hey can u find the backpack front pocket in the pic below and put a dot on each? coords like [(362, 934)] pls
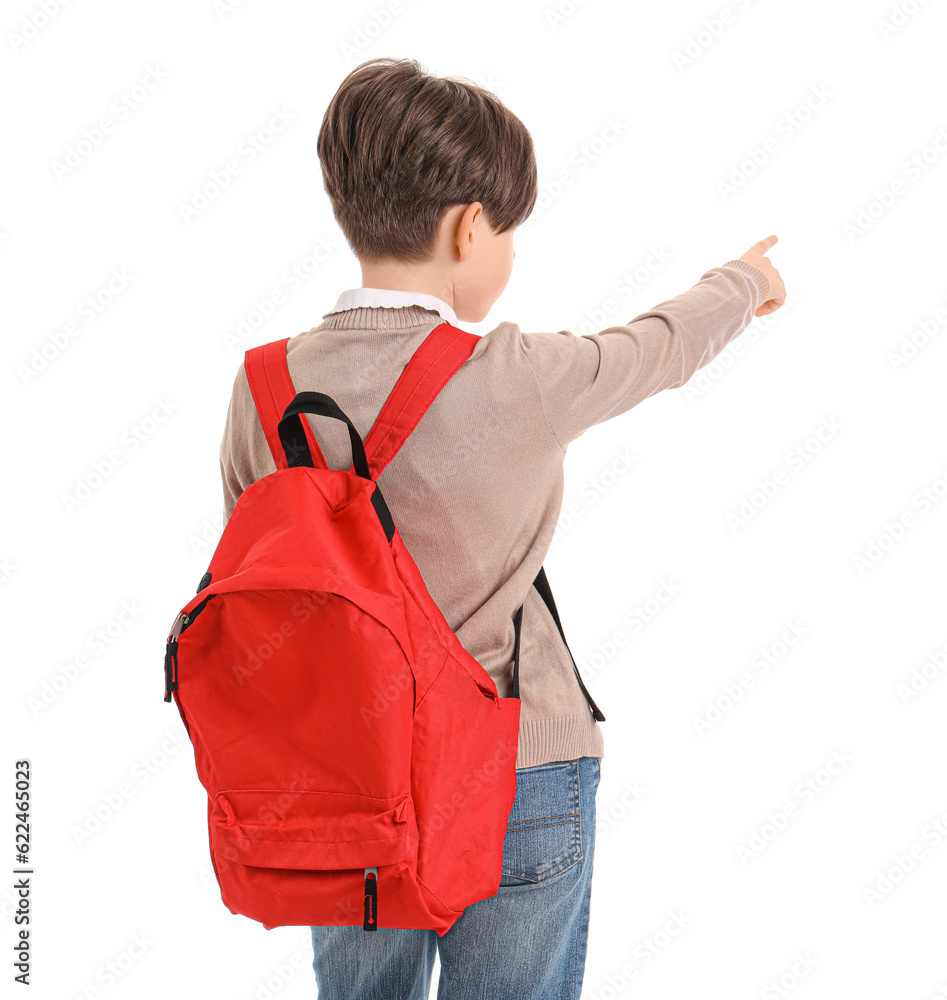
[(279, 828)]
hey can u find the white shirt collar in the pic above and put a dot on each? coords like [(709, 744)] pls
[(389, 298)]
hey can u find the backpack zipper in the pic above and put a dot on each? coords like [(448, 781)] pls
[(371, 900), (171, 648)]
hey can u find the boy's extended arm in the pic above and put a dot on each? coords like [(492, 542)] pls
[(585, 380), (582, 380)]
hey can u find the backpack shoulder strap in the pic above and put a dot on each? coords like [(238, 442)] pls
[(443, 352), (431, 367), (272, 390)]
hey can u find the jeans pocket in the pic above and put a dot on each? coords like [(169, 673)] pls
[(544, 832)]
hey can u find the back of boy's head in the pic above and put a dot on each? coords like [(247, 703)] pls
[(399, 147)]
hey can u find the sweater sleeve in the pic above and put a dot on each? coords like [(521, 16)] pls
[(585, 380)]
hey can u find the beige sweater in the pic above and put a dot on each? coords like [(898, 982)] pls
[(476, 490)]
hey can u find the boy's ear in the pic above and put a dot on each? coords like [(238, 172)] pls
[(463, 236)]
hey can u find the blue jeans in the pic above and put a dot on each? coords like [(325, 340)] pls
[(526, 942)]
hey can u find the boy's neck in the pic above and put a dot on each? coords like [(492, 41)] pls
[(402, 279)]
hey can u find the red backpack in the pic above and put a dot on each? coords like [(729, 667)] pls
[(358, 761)]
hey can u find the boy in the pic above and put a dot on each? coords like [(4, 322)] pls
[(428, 179)]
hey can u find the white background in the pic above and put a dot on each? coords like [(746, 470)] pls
[(858, 351)]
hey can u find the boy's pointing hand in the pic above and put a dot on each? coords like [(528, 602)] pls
[(777, 290)]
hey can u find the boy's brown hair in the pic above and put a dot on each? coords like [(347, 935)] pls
[(399, 147)]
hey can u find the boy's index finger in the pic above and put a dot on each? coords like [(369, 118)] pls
[(765, 244)]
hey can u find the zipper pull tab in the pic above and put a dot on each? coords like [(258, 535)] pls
[(170, 668), (371, 900), (171, 656)]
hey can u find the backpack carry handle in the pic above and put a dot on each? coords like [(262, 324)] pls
[(293, 437)]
